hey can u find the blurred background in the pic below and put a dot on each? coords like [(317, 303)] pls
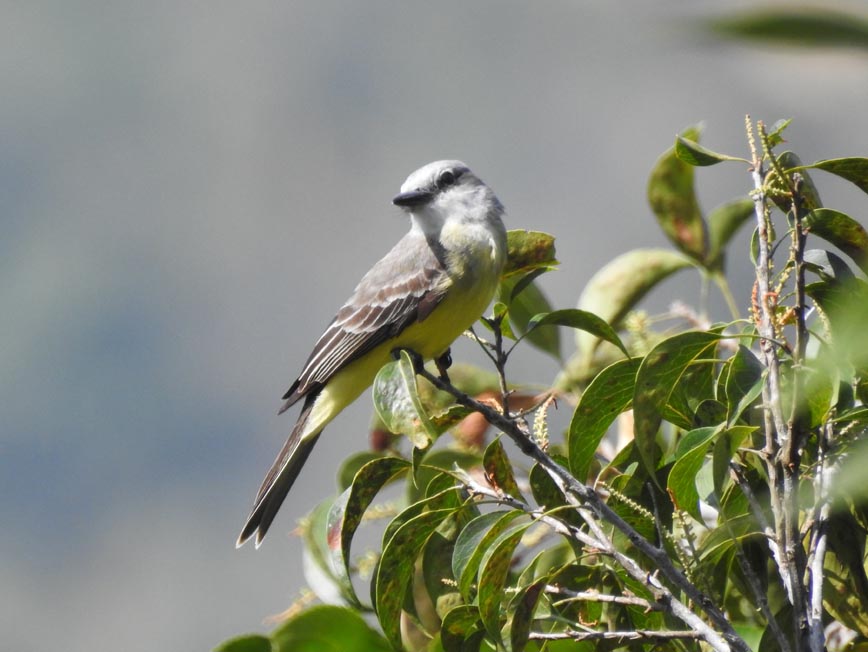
[(188, 191)]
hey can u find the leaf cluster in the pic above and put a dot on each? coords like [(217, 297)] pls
[(486, 548)]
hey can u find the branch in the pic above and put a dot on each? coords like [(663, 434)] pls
[(819, 537), (755, 586), (635, 635), (590, 506), (782, 486), (594, 596)]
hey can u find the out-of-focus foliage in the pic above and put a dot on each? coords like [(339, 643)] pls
[(797, 26)]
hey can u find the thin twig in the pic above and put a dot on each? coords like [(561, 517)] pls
[(500, 357), (756, 509), (760, 596), (819, 538), (633, 635), (776, 432), (754, 582), (485, 345), (797, 430), (594, 596)]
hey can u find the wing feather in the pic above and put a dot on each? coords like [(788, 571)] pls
[(398, 291)]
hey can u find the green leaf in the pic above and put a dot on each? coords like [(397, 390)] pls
[(521, 610), (549, 496), (797, 26), (850, 480), (724, 449), (659, 374), (317, 562), (828, 266), (682, 480), (775, 133), (820, 393), (397, 565), (437, 568), (397, 402), (808, 193), (733, 502), (856, 415), (493, 571), (351, 465), (744, 382), (348, 509), (459, 624), (522, 307), (854, 170), (846, 571), (618, 286), (754, 247), (439, 460), (471, 544), (692, 398), (693, 153), (522, 283), (709, 411), (842, 231), (498, 470), (327, 628), (527, 251), (696, 438), (846, 306), (437, 494), (842, 601), (608, 395), (673, 200), (581, 320), (245, 643), (785, 618), (721, 539), (723, 222)]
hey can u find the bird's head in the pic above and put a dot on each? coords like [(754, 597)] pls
[(445, 190)]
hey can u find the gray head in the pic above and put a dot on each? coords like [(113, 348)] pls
[(445, 190)]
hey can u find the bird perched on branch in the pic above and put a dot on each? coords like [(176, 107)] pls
[(420, 296)]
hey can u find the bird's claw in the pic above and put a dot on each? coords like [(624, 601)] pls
[(443, 363)]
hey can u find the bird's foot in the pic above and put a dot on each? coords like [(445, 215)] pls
[(443, 363)]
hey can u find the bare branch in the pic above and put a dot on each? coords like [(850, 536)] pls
[(782, 477), (594, 596), (819, 538), (635, 635)]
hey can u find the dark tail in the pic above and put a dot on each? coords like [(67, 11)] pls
[(279, 479)]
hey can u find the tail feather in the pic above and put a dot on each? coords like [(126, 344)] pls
[(279, 479)]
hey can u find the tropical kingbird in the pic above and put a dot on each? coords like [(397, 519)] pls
[(423, 294)]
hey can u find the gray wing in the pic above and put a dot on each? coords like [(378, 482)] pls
[(401, 289)]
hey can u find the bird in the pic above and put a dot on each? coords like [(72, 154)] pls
[(431, 287)]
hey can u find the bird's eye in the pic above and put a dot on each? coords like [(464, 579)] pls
[(446, 178)]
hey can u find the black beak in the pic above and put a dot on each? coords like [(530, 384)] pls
[(413, 198)]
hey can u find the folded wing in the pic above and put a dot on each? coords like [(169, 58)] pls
[(401, 289)]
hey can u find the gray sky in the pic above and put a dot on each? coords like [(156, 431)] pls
[(190, 190)]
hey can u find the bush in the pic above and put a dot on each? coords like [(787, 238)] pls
[(727, 510)]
